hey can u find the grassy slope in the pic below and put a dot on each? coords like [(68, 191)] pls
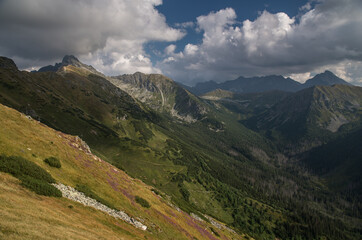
[(28, 215)]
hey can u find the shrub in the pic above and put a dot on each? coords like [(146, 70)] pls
[(18, 166), (143, 202), (40, 187), (31, 175), (53, 162), (184, 192)]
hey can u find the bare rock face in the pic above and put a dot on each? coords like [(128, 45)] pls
[(162, 94), (74, 195)]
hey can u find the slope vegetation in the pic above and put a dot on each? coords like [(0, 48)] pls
[(28, 215)]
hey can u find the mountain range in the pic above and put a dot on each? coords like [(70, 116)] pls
[(262, 164), (267, 83)]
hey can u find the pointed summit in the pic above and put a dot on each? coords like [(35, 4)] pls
[(69, 60), (325, 79)]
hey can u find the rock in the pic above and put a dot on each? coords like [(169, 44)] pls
[(74, 195)]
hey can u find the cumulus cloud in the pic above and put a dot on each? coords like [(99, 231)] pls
[(109, 34), (327, 35)]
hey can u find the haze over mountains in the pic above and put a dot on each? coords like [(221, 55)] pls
[(267, 83), (263, 156)]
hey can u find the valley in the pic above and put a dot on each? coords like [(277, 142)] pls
[(271, 163)]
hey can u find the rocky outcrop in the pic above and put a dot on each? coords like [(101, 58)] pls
[(74, 195), (7, 63)]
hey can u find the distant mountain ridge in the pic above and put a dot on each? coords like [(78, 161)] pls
[(311, 114), (267, 83)]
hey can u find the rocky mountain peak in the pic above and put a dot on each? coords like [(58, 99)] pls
[(326, 78), (7, 63), (70, 60)]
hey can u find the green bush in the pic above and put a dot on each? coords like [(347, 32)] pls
[(53, 162), (18, 166), (31, 175), (184, 192), (142, 202), (40, 187)]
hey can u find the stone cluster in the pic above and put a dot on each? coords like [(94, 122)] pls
[(74, 195)]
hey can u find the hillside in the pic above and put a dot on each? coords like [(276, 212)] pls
[(311, 115), (340, 163), (246, 104), (28, 215), (162, 94)]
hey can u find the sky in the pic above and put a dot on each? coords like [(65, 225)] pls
[(189, 41)]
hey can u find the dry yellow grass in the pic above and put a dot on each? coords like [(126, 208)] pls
[(25, 215)]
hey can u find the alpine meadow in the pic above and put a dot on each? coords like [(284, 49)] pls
[(180, 120)]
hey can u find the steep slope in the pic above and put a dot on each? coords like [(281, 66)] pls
[(90, 106), (162, 94), (312, 115), (340, 163), (28, 215), (324, 79)]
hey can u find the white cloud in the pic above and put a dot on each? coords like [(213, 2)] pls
[(328, 35), (191, 49), (185, 25), (114, 30), (170, 49)]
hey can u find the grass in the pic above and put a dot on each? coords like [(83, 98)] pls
[(89, 193), (28, 215)]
